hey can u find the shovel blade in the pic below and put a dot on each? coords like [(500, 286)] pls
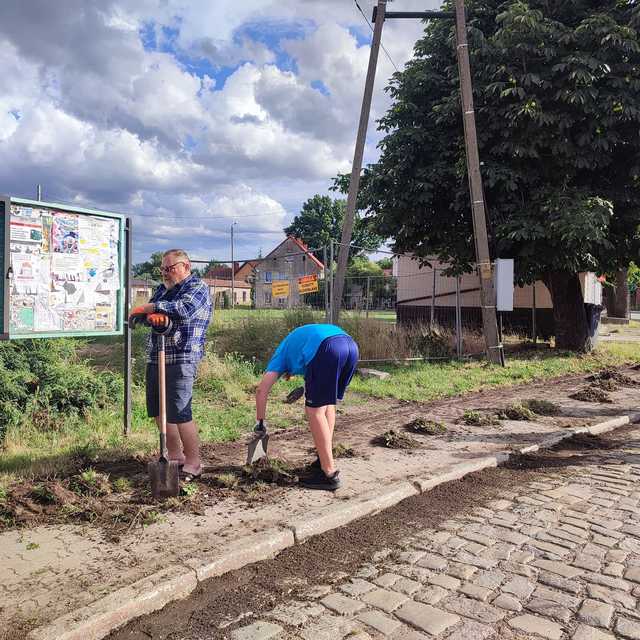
[(165, 479), (257, 448)]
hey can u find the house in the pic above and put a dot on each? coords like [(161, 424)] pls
[(220, 290), (142, 290), (290, 260), (241, 272), (417, 285)]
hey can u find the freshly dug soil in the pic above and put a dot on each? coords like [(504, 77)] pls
[(592, 393), (425, 427), (395, 440)]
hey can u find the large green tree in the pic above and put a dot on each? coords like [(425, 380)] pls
[(557, 96), (320, 221), (150, 268)]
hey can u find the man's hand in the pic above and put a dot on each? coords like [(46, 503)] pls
[(286, 376), (158, 320)]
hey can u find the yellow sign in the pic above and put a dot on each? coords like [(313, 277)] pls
[(308, 284), (280, 289)]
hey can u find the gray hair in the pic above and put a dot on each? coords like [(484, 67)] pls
[(180, 254)]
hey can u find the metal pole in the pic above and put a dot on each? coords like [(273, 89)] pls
[(233, 275), (127, 330), (331, 300), (433, 300), (487, 292), (458, 320), (534, 329), (326, 285), (368, 294), (39, 192), (354, 183)]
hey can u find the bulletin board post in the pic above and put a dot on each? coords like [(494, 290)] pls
[(127, 329)]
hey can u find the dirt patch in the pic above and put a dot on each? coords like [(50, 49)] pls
[(592, 393), (516, 411), (395, 440), (425, 427), (615, 376), (542, 407), (476, 418)]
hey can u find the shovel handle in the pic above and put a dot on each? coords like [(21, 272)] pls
[(162, 397)]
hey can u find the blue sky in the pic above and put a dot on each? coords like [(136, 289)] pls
[(188, 116)]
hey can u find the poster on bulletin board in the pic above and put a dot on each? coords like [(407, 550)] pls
[(63, 270)]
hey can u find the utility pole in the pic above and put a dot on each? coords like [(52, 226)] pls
[(483, 259), (354, 183), (487, 293), (39, 192), (233, 275)]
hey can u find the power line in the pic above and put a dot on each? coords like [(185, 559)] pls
[(370, 27)]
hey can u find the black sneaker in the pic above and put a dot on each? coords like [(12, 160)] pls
[(315, 464), (320, 480)]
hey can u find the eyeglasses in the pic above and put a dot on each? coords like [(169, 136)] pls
[(171, 268)]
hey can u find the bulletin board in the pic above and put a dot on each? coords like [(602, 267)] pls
[(63, 270)]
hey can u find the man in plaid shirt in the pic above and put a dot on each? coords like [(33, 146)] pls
[(183, 298)]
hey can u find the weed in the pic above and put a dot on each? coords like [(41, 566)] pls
[(343, 451), (151, 517), (479, 418), (395, 440), (226, 480), (542, 407), (271, 470), (43, 493), (31, 546), (189, 489), (425, 427), (516, 411), (3, 495), (91, 482), (122, 485)]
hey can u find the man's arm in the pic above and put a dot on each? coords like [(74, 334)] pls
[(262, 393)]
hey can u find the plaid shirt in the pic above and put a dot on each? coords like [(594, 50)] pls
[(189, 306)]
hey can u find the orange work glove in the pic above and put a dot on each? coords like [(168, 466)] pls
[(158, 320), (138, 311)]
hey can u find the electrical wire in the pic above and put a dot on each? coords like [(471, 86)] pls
[(370, 27)]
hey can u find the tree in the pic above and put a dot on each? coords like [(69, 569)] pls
[(150, 268), (321, 220), (557, 96), (385, 263)]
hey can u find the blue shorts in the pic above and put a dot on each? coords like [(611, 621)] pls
[(180, 379), (330, 371)]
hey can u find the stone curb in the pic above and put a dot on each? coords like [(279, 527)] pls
[(179, 580)]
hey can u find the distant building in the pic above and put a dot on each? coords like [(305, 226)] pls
[(221, 290), (142, 289), (290, 260)]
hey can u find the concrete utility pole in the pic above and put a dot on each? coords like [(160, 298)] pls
[(354, 184), (483, 259), (487, 293), (233, 275)]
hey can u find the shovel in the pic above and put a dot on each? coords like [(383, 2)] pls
[(294, 396), (164, 475), (257, 448)]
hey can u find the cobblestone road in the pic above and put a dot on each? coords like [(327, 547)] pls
[(560, 558)]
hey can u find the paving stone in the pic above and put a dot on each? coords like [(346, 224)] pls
[(473, 609), (386, 600), (476, 561), (606, 581), (477, 537), (549, 609), (506, 535), (500, 505), (584, 561), (296, 613), (537, 625), (602, 541), (614, 569), (585, 632), (521, 557), (596, 614), (474, 548), (499, 551), (594, 550), (628, 628), (366, 572), (426, 617), (329, 627), (447, 582), (404, 633), (319, 591), (559, 597), (558, 582), (257, 631), (560, 534), (519, 587), (410, 557), (461, 571), (379, 621), (409, 587), (431, 595), (631, 529), (387, 579), (607, 533), (573, 530), (475, 591), (555, 549), (431, 561), (357, 587), (617, 555), (341, 604), (509, 603), (559, 568), (519, 569), (633, 574), (455, 542), (470, 630), (611, 596), (489, 579)]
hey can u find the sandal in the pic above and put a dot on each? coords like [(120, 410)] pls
[(187, 476)]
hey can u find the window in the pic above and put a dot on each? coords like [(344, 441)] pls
[(244, 296), (267, 277), (267, 298)]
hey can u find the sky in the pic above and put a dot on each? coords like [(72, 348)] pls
[(190, 115)]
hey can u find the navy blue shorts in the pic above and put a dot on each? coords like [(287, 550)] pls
[(180, 379), (329, 373)]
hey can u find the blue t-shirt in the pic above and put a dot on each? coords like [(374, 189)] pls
[(297, 350)]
